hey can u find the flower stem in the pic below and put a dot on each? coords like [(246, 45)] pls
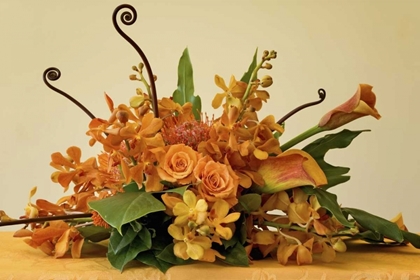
[(310, 132), (288, 226), (45, 219)]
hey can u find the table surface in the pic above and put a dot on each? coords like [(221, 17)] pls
[(361, 261)]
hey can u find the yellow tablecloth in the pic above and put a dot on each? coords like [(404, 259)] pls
[(361, 261)]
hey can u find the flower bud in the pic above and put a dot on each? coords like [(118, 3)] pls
[(136, 101), (134, 68), (340, 246), (122, 116), (266, 81), (133, 77), (267, 65)]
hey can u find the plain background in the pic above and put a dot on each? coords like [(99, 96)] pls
[(330, 44)]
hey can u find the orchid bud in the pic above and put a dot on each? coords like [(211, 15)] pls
[(266, 81)]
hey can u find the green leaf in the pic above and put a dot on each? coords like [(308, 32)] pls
[(236, 256), (123, 208), (230, 243), (145, 237), (318, 149), (376, 224), (328, 201), (150, 259), (248, 202), (136, 226), (127, 237), (131, 187), (179, 190), (185, 90), (94, 233), (127, 254), (247, 75), (413, 238), (167, 255)]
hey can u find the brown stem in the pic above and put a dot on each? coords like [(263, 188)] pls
[(45, 219)]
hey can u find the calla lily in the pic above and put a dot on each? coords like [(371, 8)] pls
[(361, 104), (291, 169)]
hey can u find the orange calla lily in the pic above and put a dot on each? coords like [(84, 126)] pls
[(361, 104), (293, 168)]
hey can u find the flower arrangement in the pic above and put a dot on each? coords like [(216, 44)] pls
[(173, 185)]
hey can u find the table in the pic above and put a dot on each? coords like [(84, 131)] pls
[(361, 261)]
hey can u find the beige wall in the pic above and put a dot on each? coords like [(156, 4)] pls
[(329, 44)]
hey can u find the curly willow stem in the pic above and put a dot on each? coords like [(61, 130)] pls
[(322, 94), (53, 74), (128, 18)]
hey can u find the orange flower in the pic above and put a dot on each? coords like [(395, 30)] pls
[(291, 169), (216, 180), (361, 104), (176, 165)]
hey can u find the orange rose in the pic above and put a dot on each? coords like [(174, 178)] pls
[(176, 165), (216, 180)]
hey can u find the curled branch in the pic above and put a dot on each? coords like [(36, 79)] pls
[(128, 18), (322, 95), (53, 74)]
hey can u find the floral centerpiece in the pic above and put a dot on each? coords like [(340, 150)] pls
[(174, 185)]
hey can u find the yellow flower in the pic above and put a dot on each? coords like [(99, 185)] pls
[(218, 217), (187, 244), (190, 210)]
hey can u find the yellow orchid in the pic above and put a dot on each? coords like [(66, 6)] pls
[(218, 217), (187, 244), (190, 210)]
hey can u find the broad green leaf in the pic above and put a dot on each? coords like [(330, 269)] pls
[(236, 256), (179, 190), (94, 233), (247, 75), (372, 237), (123, 208), (376, 224), (114, 240), (150, 259), (131, 187), (318, 149), (329, 201), (145, 237), (167, 255), (413, 238), (128, 236), (127, 254), (248, 203), (185, 90)]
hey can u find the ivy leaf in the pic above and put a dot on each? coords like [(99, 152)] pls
[(145, 237), (236, 256), (248, 203), (167, 255), (127, 238), (318, 149), (94, 233), (329, 201), (123, 208), (150, 259), (185, 90), (247, 75), (127, 254), (376, 224)]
